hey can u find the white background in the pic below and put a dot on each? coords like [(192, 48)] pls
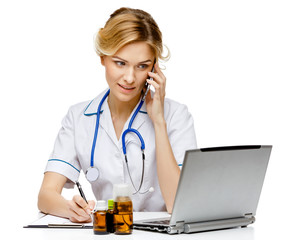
[(228, 65)]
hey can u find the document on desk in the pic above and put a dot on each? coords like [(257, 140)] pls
[(49, 221)]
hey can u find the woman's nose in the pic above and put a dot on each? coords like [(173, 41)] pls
[(130, 75)]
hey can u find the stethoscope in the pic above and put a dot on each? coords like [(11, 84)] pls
[(92, 173)]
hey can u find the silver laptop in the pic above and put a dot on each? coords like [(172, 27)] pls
[(218, 188)]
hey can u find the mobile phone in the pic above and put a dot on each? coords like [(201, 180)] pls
[(148, 85)]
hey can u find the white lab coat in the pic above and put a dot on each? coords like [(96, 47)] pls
[(72, 150)]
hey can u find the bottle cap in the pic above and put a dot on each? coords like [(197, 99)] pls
[(111, 204), (101, 205), (122, 190)]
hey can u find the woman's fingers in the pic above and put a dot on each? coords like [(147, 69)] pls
[(158, 77), (77, 219), (159, 72), (92, 204), (158, 83), (80, 210), (153, 83), (82, 203)]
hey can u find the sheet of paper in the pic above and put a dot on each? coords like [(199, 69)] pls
[(49, 219), (45, 220)]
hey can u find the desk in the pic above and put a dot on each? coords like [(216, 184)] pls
[(82, 234), (266, 227)]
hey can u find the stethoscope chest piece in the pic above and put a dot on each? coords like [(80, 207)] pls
[(92, 174)]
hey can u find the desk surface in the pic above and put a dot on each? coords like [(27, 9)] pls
[(254, 231), (82, 234)]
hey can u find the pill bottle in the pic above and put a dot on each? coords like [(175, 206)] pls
[(99, 218), (123, 209), (110, 216)]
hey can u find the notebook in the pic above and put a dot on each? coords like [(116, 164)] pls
[(218, 188)]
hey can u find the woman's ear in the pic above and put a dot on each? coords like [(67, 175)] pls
[(102, 60)]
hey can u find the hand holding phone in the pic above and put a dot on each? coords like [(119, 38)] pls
[(148, 85)]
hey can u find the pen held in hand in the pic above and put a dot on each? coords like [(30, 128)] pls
[(81, 191)]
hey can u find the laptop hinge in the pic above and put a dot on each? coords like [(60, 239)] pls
[(177, 228), (218, 224), (248, 215)]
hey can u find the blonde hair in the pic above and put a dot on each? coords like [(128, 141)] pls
[(127, 25)]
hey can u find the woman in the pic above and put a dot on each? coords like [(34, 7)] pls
[(129, 47)]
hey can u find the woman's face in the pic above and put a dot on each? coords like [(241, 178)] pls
[(126, 70)]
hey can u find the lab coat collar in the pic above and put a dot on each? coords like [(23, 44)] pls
[(92, 107)]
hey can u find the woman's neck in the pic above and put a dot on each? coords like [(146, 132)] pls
[(119, 109)]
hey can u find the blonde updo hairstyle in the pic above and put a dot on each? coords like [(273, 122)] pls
[(127, 25)]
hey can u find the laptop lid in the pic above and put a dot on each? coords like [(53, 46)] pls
[(220, 183)]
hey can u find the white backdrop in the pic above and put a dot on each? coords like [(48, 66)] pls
[(228, 65)]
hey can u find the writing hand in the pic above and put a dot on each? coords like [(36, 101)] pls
[(79, 210)]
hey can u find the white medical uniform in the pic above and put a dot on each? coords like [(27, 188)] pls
[(72, 150)]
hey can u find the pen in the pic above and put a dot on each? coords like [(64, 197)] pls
[(81, 191)]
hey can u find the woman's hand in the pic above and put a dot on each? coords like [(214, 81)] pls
[(79, 210), (155, 105)]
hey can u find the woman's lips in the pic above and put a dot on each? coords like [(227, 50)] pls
[(126, 88)]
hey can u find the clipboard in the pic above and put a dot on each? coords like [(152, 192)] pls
[(54, 222), (50, 221)]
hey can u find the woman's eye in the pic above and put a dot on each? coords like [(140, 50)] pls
[(120, 63), (142, 66)]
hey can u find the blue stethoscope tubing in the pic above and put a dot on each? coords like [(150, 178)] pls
[(92, 173)]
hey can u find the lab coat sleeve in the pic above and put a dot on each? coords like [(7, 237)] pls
[(181, 132), (63, 159)]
